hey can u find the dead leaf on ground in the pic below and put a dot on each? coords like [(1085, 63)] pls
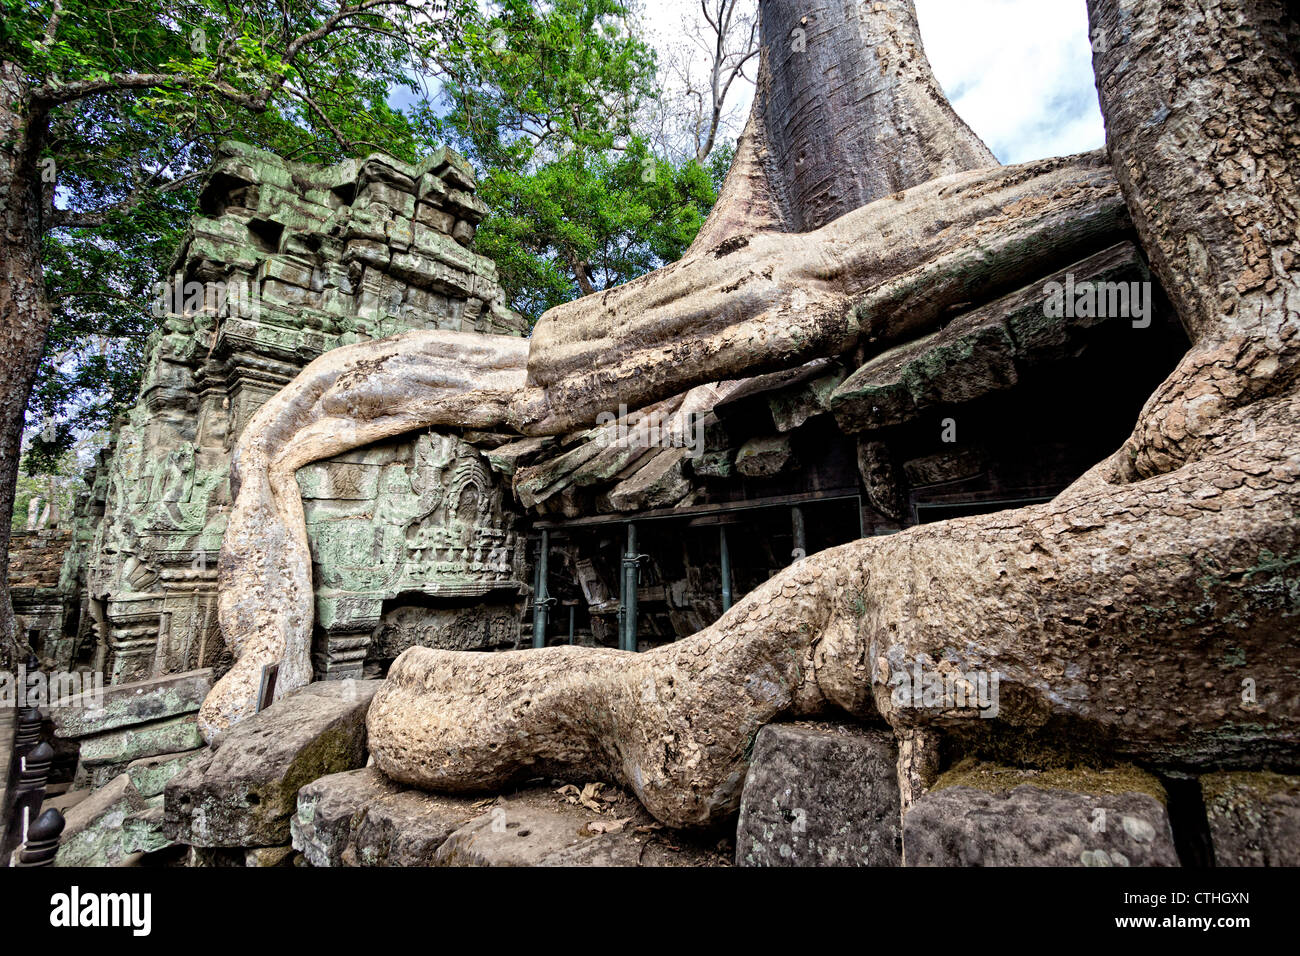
[(589, 795), (608, 826)]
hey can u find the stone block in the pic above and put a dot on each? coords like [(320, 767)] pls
[(512, 835), (124, 705), (820, 795), (761, 457), (986, 815), (93, 832), (361, 818), (659, 483), (143, 832), (243, 793), (269, 856), (152, 774), (1254, 818), (145, 740)]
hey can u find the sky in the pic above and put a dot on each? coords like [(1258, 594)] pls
[(1018, 71)]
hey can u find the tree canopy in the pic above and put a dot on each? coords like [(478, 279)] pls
[(545, 100), (542, 97), (137, 94)]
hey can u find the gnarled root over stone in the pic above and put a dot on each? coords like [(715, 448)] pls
[(780, 302), (1128, 612), (346, 398)]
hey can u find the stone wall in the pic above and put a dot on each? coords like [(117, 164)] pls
[(413, 542), (286, 261), (35, 561)]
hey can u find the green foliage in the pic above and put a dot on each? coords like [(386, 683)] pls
[(59, 479), (125, 162), (541, 98), (613, 215)]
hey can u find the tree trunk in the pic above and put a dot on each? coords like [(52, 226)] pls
[(846, 110), (1125, 619), (1147, 613), (24, 317)]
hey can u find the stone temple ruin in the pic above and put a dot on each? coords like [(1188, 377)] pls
[(289, 262), (704, 505), (435, 539)]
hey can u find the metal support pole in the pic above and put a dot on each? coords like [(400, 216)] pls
[(726, 568), (630, 561), (540, 597), (572, 609), (800, 534)]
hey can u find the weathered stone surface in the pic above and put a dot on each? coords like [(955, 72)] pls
[(361, 818), (510, 836), (714, 464), (572, 826), (145, 740), (152, 774), (943, 466), (264, 856), (125, 705), (760, 457), (820, 796), (794, 405), (967, 359), (93, 834), (508, 458), (144, 832), (1041, 336), (244, 792), (1254, 818), (658, 483), (880, 392), (604, 850), (984, 816)]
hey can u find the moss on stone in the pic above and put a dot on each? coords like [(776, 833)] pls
[(1225, 788), (1111, 781)]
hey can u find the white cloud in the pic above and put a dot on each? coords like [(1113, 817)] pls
[(1018, 71)]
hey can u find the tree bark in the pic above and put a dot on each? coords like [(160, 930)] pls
[(1148, 613), (1124, 618), (24, 317), (846, 110)]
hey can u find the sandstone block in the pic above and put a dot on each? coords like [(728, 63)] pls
[(820, 796), (93, 834), (244, 791), (1254, 818), (361, 818), (982, 815), (137, 703)]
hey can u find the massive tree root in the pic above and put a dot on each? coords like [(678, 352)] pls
[(347, 398), (794, 299), (748, 296), (1134, 658), (1151, 611)]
